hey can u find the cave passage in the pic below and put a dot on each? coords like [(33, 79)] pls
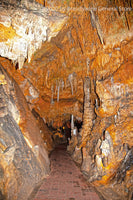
[(66, 99), (70, 129), (65, 180)]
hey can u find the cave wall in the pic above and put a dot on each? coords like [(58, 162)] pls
[(24, 161), (25, 140), (107, 141), (87, 71)]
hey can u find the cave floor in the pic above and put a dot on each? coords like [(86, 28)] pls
[(65, 181)]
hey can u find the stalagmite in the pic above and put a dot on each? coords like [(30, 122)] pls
[(88, 113), (72, 148)]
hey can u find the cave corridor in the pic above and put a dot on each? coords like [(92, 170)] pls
[(66, 100)]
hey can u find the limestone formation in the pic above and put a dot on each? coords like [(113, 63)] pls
[(46, 134), (24, 27), (89, 114), (23, 159), (86, 71)]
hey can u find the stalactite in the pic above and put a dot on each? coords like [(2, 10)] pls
[(70, 78), (98, 28), (52, 96), (96, 103), (115, 119), (128, 26), (47, 76), (26, 29), (72, 122), (75, 81), (21, 60), (88, 65), (62, 84), (58, 92)]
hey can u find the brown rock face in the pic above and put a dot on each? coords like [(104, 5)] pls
[(46, 134), (23, 159), (86, 71)]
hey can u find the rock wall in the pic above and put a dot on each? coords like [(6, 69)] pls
[(23, 159), (106, 144), (46, 134), (87, 71)]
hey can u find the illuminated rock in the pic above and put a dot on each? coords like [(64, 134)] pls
[(85, 71), (25, 27), (23, 159)]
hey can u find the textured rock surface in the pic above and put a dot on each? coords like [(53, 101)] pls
[(24, 27), (96, 44), (23, 159), (56, 72), (46, 134)]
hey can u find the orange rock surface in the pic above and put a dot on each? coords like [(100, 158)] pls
[(96, 42)]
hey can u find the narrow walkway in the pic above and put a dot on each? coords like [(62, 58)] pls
[(65, 181)]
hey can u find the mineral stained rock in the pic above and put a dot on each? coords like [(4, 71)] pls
[(85, 71), (23, 159), (46, 134), (107, 156)]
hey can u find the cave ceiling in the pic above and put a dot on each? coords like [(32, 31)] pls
[(50, 50)]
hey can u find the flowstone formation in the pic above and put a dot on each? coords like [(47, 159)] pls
[(85, 73)]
